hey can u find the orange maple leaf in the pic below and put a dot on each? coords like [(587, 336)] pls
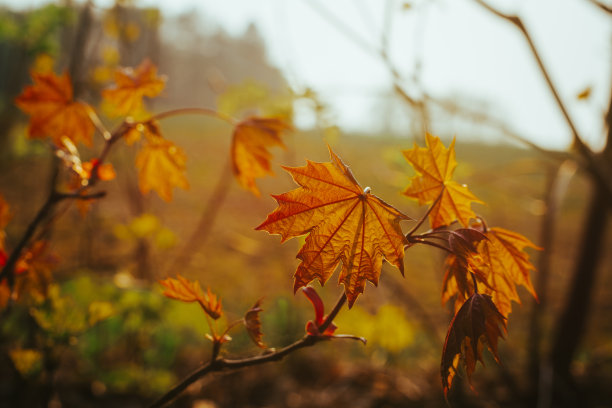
[(434, 165), (476, 324), (160, 164), (131, 85), (53, 112), (250, 156), (186, 291), (500, 264), (344, 223), (252, 322)]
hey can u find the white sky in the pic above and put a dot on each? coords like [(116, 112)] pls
[(464, 50)]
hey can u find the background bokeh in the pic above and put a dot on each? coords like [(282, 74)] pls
[(368, 79)]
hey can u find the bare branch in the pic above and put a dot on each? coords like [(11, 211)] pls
[(602, 6), (599, 168)]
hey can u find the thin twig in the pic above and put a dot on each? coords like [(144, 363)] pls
[(195, 111), (598, 167), (602, 6), (222, 364), (424, 217), (433, 244)]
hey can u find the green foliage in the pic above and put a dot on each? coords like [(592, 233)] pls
[(36, 29)]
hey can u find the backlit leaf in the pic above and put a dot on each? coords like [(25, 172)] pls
[(434, 166), (500, 264), (250, 156), (161, 165), (344, 223), (508, 266), (186, 291), (478, 323), (131, 85), (53, 112)]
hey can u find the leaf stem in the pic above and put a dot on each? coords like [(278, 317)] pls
[(433, 244), (332, 315), (424, 217), (194, 111)]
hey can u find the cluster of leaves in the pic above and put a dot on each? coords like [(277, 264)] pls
[(344, 222), (58, 117), (347, 223)]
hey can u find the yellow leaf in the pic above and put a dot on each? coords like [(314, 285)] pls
[(434, 165), (250, 156), (161, 167), (500, 264), (131, 85), (186, 291)]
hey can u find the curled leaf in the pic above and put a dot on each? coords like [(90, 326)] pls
[(53, 111), (344, 223), (250, 156), (312, 327), (434, 166), (131, 85), (252, 322), (186, 291), (478, 323)]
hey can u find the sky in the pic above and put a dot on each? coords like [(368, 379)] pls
[(463, 50)]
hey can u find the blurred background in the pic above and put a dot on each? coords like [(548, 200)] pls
[(369, 78)]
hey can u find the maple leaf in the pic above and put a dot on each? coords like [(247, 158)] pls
[(508, 265), (249, 151), (131, 85), (434, 166), (53, 112), (344, 223), (476, 324), (500, 264), (186, 291), (160, 164), (252, 322)]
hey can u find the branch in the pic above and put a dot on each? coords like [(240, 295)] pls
[(221, 364), (424, 217), (194, 111), (602, 6), (599, 169)]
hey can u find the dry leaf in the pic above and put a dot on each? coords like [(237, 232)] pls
[(344, 223), (252, 322), (434, 165)]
